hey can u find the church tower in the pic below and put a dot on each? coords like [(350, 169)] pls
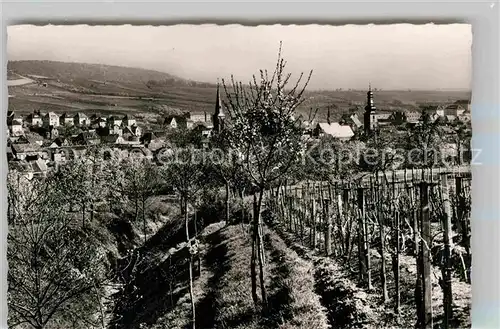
[(369, 117), (218, 116)]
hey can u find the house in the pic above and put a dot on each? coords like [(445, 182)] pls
[(136, 130), (115, 130), (87, 138), (26, 151), (60, 155), (81, 119), (51, 132), (39, 168), (398, 117), (114, 121), (464, 117), (434, 117), (454, 109), (59, 142), (101, 122), (10, 156), (177, 121), (151, 141), (170, 122), (93, 118), (66, 120), (383, 118), (34, 139), (112, 139), (351, 120), (333, 129), (128, 121), (450, 118), (34, 119), (50, 119), (16, 128), (203, 129), (10, 117), (200, 117), (465, 103), (127, 133), (413, 116)]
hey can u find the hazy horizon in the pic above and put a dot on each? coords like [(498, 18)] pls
[(390, 57)]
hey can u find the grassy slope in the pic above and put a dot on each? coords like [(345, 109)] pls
[(222, 289)]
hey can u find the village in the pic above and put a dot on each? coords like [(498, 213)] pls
[(39, 142)]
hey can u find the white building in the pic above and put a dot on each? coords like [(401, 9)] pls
[(50, 119), (335, 130), (128, 121)]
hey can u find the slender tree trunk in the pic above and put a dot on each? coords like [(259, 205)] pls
[(253, 264), (137, 208), (83, 214), (191, 296), (228, 196), (195, 215), (181, 201), (418, 285), (328, 231), (396, 265), (144, 219), (190, 265), (242, 210), (383, 270), (261, 257), (313, 219)]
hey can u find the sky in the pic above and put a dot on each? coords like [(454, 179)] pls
[(398, 56)]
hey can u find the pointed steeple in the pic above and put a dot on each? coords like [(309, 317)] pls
[(370, 106), (369, 119), (218, 106), (219, 116)]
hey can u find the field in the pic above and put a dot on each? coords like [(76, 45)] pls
[(94, 88)]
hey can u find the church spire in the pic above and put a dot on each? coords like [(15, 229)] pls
[(218, 106), (369, 117), (370, 106), (219, 116)]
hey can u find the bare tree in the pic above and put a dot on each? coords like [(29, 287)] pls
[(55, 266), (184, 171), (266, 132)]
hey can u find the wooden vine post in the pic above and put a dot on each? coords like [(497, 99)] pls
[(381, 222), (397, 242), (328, 230), (364, 255), (313, 220), (425, 258), (448, 241)]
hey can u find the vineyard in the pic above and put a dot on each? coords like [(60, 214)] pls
[(405, 241)]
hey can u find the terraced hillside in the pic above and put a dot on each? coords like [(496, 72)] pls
[(111, 89)]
